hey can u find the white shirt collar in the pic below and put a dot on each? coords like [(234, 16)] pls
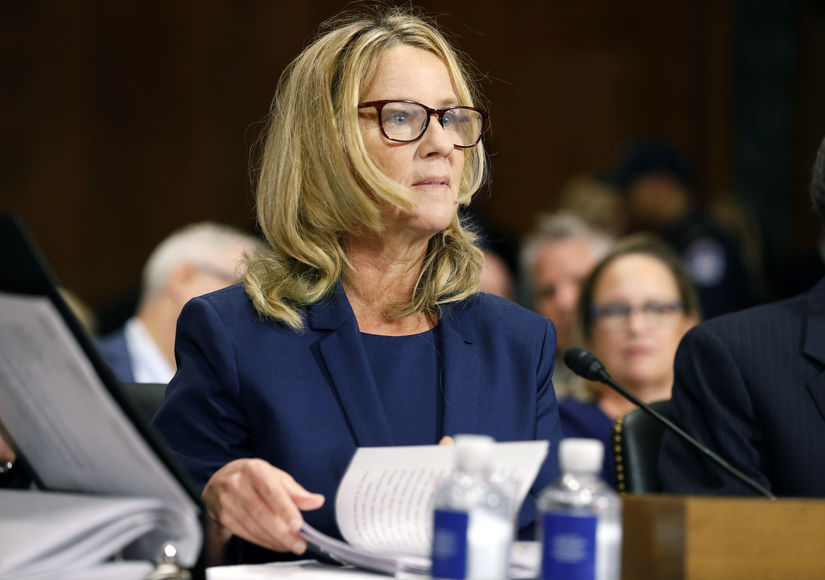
[(148, 363)]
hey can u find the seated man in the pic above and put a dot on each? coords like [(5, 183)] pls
[(556, 257), (197, 259), (751, 387)]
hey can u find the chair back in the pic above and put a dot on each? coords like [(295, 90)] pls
[(145, 398), (636, 440)]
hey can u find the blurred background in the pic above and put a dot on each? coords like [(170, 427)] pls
[(122, 121)]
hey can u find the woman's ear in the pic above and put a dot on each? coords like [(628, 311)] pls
[(691, 320)]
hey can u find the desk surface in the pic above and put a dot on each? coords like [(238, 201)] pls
[(298, 570), (524, 560)]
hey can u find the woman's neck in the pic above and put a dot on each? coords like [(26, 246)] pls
[(380, 278)]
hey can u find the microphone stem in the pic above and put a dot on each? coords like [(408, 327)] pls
[(685, 437)]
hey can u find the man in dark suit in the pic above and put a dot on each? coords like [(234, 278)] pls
[(751, 386), (192, 261)]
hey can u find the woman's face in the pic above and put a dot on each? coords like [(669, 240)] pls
[(431, 167), (638, 321)]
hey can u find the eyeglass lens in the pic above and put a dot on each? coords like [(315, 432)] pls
[(617, 314), (408, 121)]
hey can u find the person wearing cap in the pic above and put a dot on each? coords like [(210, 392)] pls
[(658, 183)]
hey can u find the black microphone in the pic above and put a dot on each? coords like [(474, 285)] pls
[(586, 365)]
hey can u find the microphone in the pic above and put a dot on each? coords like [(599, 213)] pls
[(586, 365)]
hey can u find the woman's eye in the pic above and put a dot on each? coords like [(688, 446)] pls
[(456, 117), (655, 307), (398, 118)]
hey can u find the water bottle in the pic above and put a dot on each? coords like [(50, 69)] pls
[(580, 521), (473, 519)]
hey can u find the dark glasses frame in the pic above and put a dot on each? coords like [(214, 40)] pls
[(379, 106)]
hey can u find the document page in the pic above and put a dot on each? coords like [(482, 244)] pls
[(385, 501), (62, 417), (49, 532)]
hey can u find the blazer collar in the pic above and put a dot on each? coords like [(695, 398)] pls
[(461, 369), (330, 312), (815, 323), (343, 354), (814, 346), (342, 351)]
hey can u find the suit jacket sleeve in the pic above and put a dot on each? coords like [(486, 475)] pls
[(213, 431), (548, 423), (712, 403)]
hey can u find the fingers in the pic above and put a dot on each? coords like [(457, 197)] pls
[(304, 499), (446, 440), (260, 503), (6, 452)]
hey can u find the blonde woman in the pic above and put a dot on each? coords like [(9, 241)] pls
[(361, 325)]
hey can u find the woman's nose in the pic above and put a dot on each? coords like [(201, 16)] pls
[(435, 139)]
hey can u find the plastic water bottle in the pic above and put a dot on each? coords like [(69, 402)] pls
[(580, 522), (473, 518)]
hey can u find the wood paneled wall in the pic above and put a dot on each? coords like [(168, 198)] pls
[(122, 121)]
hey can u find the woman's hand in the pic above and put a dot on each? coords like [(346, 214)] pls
[(6, 452), (253, 499)]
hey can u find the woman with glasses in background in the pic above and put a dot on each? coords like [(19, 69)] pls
[(634, 308), (361, 324)]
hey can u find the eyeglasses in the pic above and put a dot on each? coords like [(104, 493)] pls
[(616, 315), (406, 121)]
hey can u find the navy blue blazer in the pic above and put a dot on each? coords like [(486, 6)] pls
[(250, 387), (114, 350), (751, 387)]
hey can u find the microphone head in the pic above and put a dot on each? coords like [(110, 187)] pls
[(585, 364)]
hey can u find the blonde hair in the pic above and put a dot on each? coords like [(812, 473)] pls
[(317, 184)]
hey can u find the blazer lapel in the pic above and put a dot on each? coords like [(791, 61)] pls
[(342, 351), (461, 372), (815, 342)]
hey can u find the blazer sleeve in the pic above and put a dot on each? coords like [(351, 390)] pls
[(711, 402), (548, 427), (200, 417), (548, 423)]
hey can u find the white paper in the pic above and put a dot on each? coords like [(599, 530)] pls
[(114, 570), (48, 532), (385, 500), (301, 570), (524, 558), (384, 504), (60, 414), (66, 423)]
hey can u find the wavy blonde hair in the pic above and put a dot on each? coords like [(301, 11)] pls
[(317, 184)]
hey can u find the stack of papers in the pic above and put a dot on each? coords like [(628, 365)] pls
[(60, 535)]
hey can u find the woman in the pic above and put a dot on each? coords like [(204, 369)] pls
[(361, 325), (634, 308)]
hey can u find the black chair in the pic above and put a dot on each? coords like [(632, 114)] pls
[(145, 398), (636, 440)]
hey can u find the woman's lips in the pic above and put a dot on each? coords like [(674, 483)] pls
[(433, 181), (639, 350)]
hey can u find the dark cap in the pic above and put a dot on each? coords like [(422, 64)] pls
[(648, 157)]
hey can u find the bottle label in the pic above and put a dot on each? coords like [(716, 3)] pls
[(449, 544), (568, 547)]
